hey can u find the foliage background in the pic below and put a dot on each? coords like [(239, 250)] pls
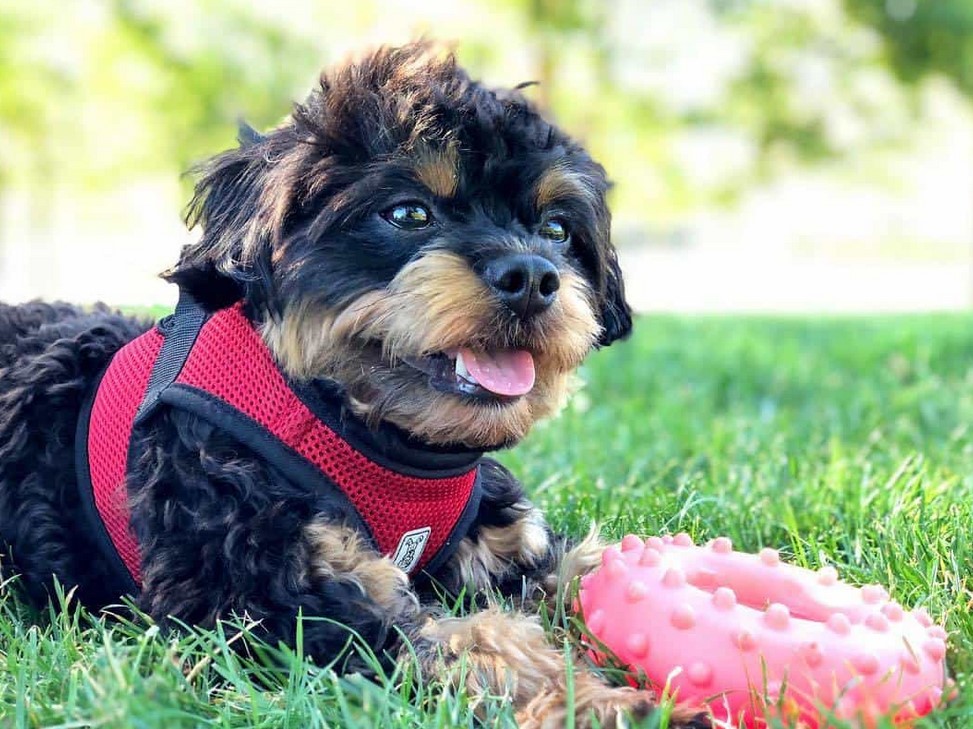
[(751, 141)]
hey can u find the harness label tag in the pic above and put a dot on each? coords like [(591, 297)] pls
[(411, 547)]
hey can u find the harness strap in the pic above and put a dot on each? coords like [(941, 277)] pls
[(180, 330), (217, 367), (119, 578)]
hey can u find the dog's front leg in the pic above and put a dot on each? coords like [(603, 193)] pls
[(329, 576), (223, 534), (511, 550)]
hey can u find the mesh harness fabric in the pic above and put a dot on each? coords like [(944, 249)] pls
[(414, 505)]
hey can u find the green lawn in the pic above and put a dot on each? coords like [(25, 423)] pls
[(844, 442)]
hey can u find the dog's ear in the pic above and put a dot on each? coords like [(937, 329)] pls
[(616, 314), (240, 206), (246, 135)]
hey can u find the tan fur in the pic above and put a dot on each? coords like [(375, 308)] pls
[(572, 329), (337, 551), (497, 550), (578, 561), (426, 58), (492, 654), (433, 304), (594, 701), (438, 169), (278, 196), (560, 182), (301, 339)]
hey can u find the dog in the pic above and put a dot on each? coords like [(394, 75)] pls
[(414, 265)]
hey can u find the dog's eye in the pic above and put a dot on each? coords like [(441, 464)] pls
[(554, 229), (408, 216)]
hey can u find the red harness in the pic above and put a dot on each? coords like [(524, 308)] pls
[(218, 367)]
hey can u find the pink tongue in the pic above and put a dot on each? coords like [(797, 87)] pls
[(505, 372)]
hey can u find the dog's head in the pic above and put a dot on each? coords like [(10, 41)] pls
[(434, 246)]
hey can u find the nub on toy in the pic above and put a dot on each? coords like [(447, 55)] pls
[(753, 638)]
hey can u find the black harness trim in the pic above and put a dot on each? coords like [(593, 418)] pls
[(388, 446), (119, 580)]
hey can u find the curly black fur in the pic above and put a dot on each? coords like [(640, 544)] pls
[(236, 543), (51, 357), (17, 323)]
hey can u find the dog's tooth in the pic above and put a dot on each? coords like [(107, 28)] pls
[(461, 372)]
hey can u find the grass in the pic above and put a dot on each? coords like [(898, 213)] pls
[(846, 442)]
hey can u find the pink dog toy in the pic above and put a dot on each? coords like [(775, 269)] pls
[(753, 638)]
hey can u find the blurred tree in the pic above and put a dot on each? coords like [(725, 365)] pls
[(923, 36), (30, 84), (809, 88), (110, 93), (557, 31), (768, 86), (237, 64), (97, 89), (558, 26)]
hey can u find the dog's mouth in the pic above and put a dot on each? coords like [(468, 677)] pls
[(496, 375)]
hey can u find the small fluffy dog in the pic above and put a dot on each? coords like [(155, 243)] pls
[(424, 261)]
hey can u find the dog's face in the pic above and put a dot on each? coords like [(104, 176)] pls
[(434, 246)]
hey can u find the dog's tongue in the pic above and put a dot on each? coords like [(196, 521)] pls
[(504, 372)]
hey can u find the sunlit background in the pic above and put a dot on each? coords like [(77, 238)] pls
[(775, 155)]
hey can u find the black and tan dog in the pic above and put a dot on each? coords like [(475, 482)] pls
[(439, 255)]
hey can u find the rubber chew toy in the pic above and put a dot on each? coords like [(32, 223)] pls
[(753, 637)]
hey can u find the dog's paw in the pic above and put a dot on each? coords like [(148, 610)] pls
[(596, 705), (579, 560)]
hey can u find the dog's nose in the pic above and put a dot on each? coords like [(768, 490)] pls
[(525, 282)]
